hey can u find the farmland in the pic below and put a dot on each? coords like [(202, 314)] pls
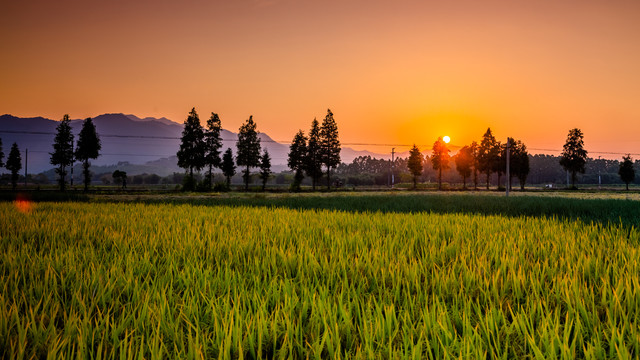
[(321, 276)]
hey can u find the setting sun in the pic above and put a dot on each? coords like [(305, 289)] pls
[(446, 139)]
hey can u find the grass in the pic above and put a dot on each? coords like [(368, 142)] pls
[(330, 276)]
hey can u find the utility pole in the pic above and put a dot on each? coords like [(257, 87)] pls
[(508, 175), (393, 151), (26, 163), (599, 179)]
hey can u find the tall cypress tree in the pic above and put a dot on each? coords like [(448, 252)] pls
[(297, 157), (626, 171), (488, 154), (329, 145), (265, 168), (228, 166), (62, 155), (313, 160), (213, 143), (414, 164), (248, 146), (88, 147), (192, 146), (14, 164)]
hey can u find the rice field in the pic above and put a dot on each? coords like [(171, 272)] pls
[(279, 278)]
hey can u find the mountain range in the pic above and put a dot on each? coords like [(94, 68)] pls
[(128, 140)]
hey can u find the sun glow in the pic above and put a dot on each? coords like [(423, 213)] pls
[(446, 139)]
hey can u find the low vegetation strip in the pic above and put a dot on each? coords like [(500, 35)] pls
[(179, 280)]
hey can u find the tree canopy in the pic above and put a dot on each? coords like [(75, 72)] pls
[(212, 145), (464, 163), (228, 166), (415, 164), (574, 156), (488, 154), (191, 154), (248, 146), (265, 168), (296, 158), (626, 171), (329, 144), (62, 155), (14, 164), (313, 160), (440, 158), (88, 147)]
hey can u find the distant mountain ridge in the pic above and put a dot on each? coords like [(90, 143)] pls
[(128, 138)]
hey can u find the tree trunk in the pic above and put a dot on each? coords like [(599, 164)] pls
[(488, 178), (440, 178), (210, 177), (86, 174), (228, 181), (328, 178), (415, 182), (627, 186), (464, 183), (573, 179), (246, 179)]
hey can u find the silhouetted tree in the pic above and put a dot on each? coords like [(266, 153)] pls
[(473, 149), (297, 157), (519, 162), (14, 164), (440, 159), (121, 177), (415, 164), (192, 147), (248, 149), (499, 162), (228, 166), (313, 160), (574, 156), (1, 154), (626, 171), (212, 143), (464, 163), (488, 153), (88, 147), (329, 144), (265, 168), (62, 155)]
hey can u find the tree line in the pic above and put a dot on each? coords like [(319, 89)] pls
[(315, 155)]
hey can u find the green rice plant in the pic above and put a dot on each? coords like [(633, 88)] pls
[(280, 279)]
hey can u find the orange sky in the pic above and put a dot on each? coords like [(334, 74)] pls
[(391, 71)]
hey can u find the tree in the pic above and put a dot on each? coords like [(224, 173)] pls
[(14, 164), (297, 157), (313, 164), (415, 164), (88, 147), (121, 177), (192, 147), (62, 154), (440, 159), (212, 144), (626, 171), (1, 154), (464, 163), (488, 153), (248, 149), (574, 156), (228, 166), (519, 162), (265, 168), (329, 145), (473, 148)]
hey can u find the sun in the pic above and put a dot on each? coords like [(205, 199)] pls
[(446, 139)]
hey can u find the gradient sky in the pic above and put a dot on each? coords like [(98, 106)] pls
[(391, 71)]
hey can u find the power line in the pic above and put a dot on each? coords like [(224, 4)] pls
[(281, 142)]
